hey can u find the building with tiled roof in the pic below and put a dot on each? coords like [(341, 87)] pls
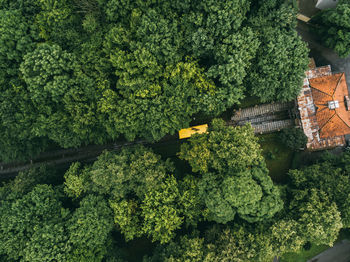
[(324, 108)]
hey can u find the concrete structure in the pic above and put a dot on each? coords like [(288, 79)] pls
[(324, 108), (324, 4)]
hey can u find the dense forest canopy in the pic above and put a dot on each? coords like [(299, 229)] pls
[(223, 215), (332, 26), (77, 72)]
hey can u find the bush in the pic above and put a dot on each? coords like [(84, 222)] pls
[(294, 138)]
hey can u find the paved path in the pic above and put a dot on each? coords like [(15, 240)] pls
[(339, 253)]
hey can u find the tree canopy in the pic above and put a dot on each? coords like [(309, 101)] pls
[(278, 69), (234, 178), (82, 72), (78, 72), (145, 197), (333, 27)]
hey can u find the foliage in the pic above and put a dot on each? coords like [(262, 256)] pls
[(27, 223), (160, 210), (112, 69), (222, 148), (333, 27), (89, 229), (239, 243), (36, 226), (186, 248), (294, 138), (317, 216), (250, 194), (286, 236), (280, 66), (330, 177), (55, 84), (234, 177), (145, 198), (15, 41), (58, 23), (280, 63), (156, 92)]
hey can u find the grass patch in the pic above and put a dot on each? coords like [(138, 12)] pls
[(278, 157)]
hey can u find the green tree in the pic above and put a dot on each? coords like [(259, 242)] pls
[(185, 248), (145, 198), (62, 95), (90, 229), (27, 223), (239, 243), (223, 148), (132, 171), (330, 177), (214, 35), (250, 194), (286, 236), (161, 211), (318, 217), (158, 89), (278, 69), (49, 242), (35, 226), (294, 138), (234, 177), (58, 23), (18, 115), (16, 39), (333, 28)]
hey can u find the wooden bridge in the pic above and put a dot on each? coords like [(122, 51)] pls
[(265, 118)]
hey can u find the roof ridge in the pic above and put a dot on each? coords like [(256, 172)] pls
[(336, 87), (321, 91), (341, 118), (335, 114)]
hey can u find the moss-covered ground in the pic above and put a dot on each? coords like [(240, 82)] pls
[(279, 158)]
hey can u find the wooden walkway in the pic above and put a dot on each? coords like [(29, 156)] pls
[(261, 110), (273, 126), (265, 118)]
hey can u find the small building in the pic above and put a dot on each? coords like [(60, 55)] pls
[(324, 108), (188, 132), (324, 4)]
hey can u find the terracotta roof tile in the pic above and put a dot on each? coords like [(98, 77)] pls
[(332, 122)]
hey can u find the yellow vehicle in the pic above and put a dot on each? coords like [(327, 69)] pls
[(188, 132)]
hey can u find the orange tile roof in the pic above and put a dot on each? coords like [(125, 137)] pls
[(331, 122)]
